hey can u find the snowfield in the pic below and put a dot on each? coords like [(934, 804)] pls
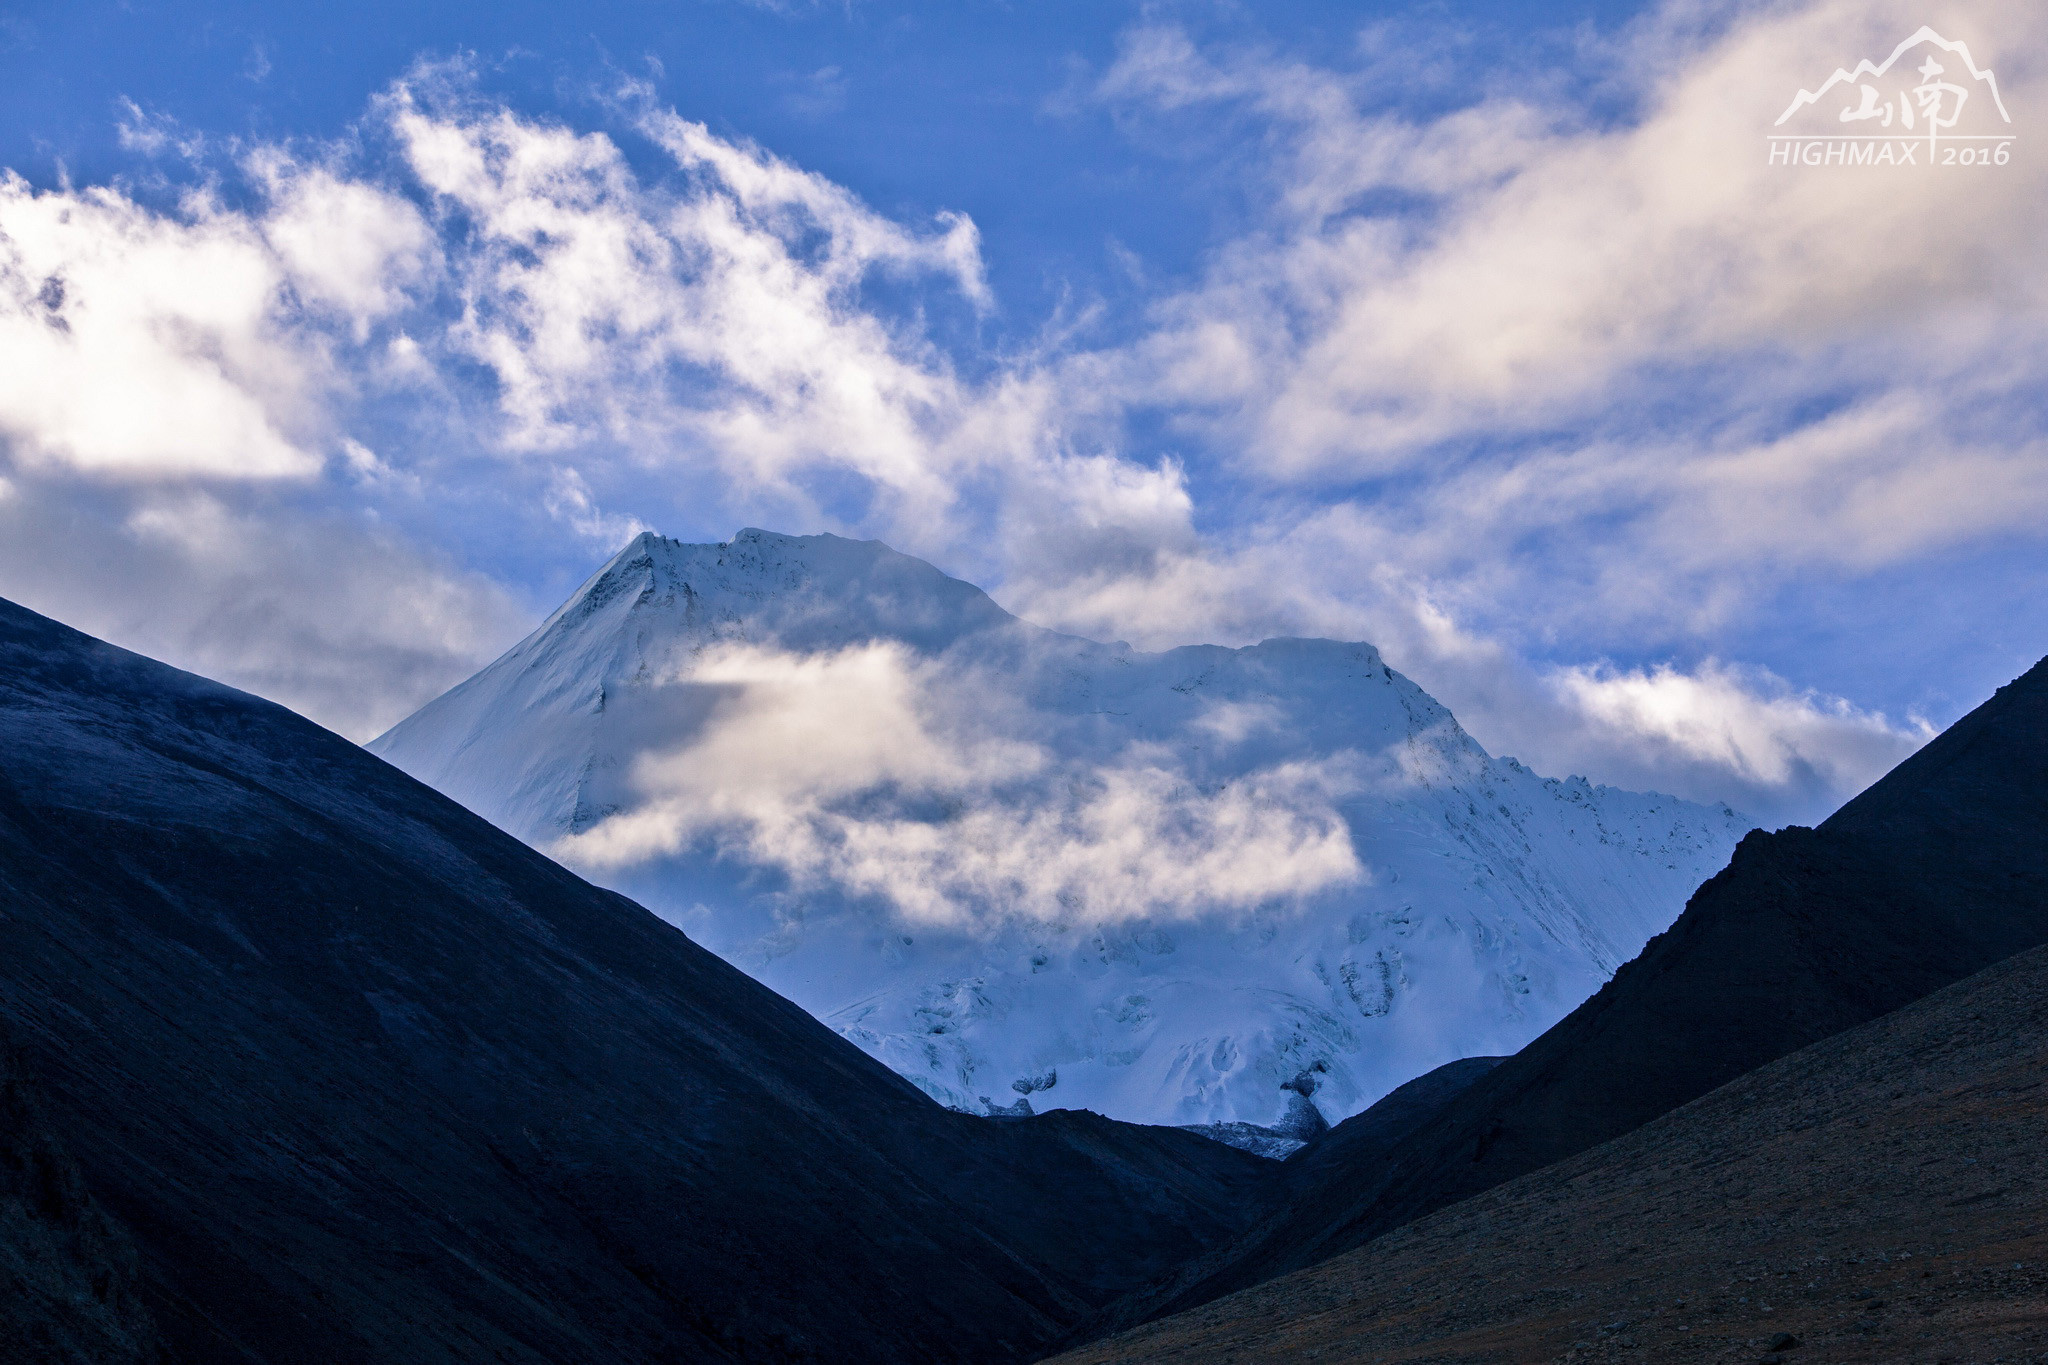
[(1027, 869)]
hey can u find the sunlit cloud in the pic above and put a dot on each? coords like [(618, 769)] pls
[(1750, 724), (862, 770)]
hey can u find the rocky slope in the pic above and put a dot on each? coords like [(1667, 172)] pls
[(1936, 871), (1028, 870), (1874, 1199), (361, 1079)]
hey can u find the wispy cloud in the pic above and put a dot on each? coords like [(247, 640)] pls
[(1504, 382), (1548, 272), (1747, 723)]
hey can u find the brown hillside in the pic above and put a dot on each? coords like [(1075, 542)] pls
[(1882, 1196)]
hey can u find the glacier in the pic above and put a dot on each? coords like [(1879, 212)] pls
[(1261, 885)]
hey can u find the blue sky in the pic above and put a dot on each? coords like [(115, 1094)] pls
[(916, 107), (345, 343)]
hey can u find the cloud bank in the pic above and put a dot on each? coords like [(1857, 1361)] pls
[(1513, 378)]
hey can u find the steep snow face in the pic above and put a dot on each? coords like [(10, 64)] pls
[(1028, 870)]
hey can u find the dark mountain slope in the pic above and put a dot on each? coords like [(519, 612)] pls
[(369, 1081), (1365, 1139), (1937, 871), (1878, 1196), (69, 1276)]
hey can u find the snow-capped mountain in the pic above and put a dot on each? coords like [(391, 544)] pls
[(1030, 870)]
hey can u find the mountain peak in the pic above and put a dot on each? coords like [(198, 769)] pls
[(994, 855), (802, 593)]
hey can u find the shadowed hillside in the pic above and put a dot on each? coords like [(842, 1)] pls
[(1876, 1197), (365, 1080)]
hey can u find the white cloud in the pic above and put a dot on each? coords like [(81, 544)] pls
[(136, 345), (372, 471), (860, 769), (708, 332), (1595, 383), (1559, 264), (139, 344), (795, 203), (1715, 732), (570, 501), (714, 330), (342, 623), (719, 317), (164, 373), (154, 134), (1745, 722), (345, 245), (1604, 381), (1590, 386)]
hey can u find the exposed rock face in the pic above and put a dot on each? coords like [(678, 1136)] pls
[(1935, 872), (369, 1082)]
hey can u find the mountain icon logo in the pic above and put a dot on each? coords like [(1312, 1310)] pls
[(1928, 104)]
